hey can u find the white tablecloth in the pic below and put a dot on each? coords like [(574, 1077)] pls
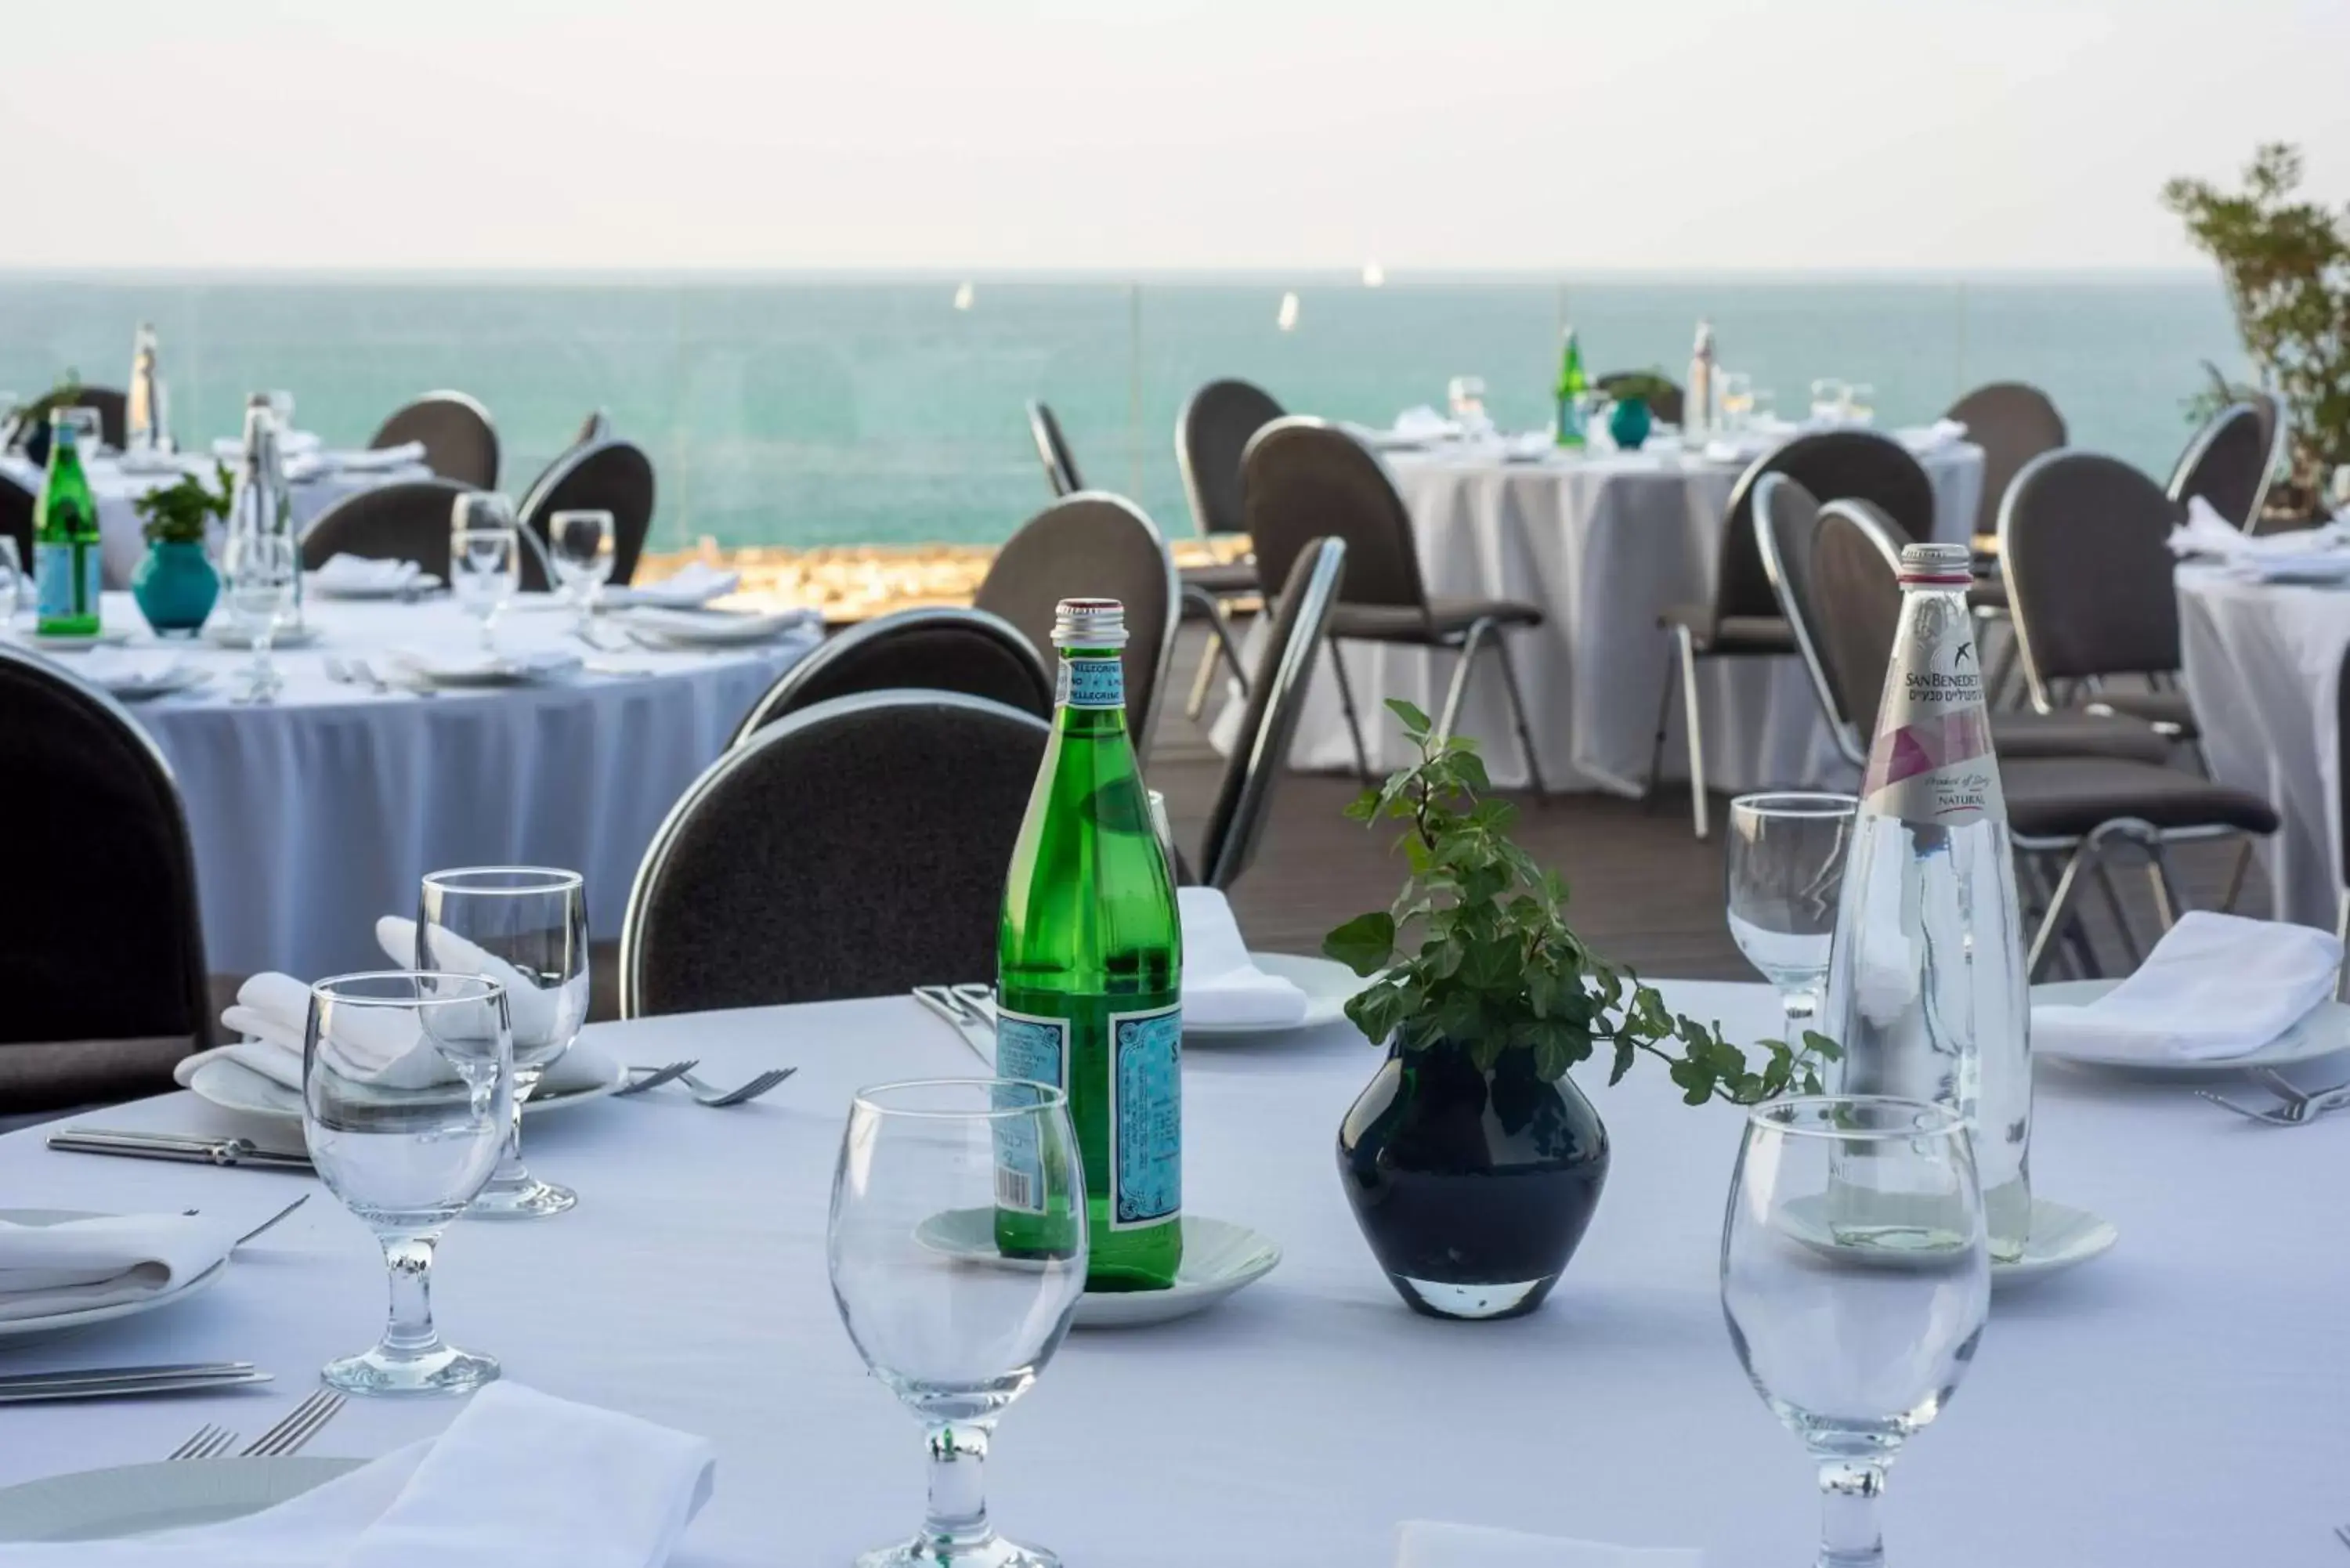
[(2263, 667), (1602, 545), (313, 816), (123, 546), (2180, 1403)]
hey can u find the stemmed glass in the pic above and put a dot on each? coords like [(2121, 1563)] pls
[(1856, 1280), (484, 563), (1465, 396), (1830, 398), (407, 1093), (1737, 399), (524, 928), (1856, 410), (582, 548), (957, 1249), (261, 571), (1785, 869)]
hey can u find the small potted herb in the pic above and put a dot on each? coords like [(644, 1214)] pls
[(1632, 410), (175, 584), (1472, 1160)]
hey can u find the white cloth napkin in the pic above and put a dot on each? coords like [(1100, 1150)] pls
[(1426, 1543), (290, 443), (348, 573), (2215, 986), (1222, 987), (716, 627), (1934, 437), (536, 1012), (376, 459), (1424, 423), (79, 1264), (118, 671), (2311, 552), (690, 587), (1745, 446), (519, 1479)]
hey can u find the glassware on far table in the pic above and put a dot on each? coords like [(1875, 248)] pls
[(1737, 399), (260, 572), (1830, 398), (524, 927), (484, 558), (407, 1095), (1465, 397), (12, 579), (1784, 871), (1856, 408), (1855, 1280), (957, 1303), (580, 543), (281, 409), (88, 428)]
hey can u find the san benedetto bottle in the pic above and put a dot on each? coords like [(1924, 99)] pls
[(1928, 990), (1090, 973)]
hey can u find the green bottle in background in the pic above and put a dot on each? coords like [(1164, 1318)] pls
[(1089, 977), (1574, 393), (65, 540)]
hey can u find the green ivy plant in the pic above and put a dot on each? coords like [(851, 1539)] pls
[(1648, 386), (180, 514), (1476, 951)]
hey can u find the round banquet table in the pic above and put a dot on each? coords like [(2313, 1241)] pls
[(315, 816), (1602, 544), (2178, 1403), (2263, 669)]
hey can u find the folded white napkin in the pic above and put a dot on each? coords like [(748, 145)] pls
[(717, 627), (290, 443), (1934, 437), (1425, 1544), (1424, 423), (118, 670), (458, 664), (375, 459), (519, 1479), (1222, 987), (81, 1264), (536, 1012), (2215, 986), (2298, 551), (1529, 446), (344, 574), (690, 587), (1743, 446)]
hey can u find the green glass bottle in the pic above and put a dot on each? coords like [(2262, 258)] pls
[(65, 540), (1089, 977), (1574, 393)]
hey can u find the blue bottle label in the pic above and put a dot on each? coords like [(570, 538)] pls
[(1146, 1119), (1033, 1050), (65, 580), (1092, 683)]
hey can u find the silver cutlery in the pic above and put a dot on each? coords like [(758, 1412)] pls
[(273, 1220), (297, 1426), (20, 1383), (942, 1001), (118, 1388), (2342, 1533), (209, 1442), (231, 1151), (653, 1077), (977, 999), (716, 1098), (2291, 1113)]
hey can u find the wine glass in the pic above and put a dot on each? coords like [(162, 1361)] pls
[(1856, 410), (1829, 398), (261, 570), (1737, 399), (1785, 869), (281, 409), (484, 563), (582, 548), (957, 1249), (1465, 396), (1855, 1280), (525, 928), (407, 1091)]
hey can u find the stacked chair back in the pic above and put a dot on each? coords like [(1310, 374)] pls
[(939, 647), (1786, 529), (1211, 435), (461, 444), (2013, 422), (406, 521), (613, 476), (1833, 465), (1053, 451), (1305, 478), (2084, 542), (2226, 462)]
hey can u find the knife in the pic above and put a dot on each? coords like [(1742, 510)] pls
[(16, 1381), (121, 1389), (164, 1145)]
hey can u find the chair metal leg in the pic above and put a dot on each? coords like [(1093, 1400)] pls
[(1518, 707), (1221, 649), (1470, 644), (2165, 891), (1697, 803), (2060, 909), (1664, 725), (2236, 877), (2113, 895), (1354, 719)]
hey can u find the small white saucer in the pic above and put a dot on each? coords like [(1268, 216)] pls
[(79, 641), (1218, 1258), (223, 632), (2061, 1238)]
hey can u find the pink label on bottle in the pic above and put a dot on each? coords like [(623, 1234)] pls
[(1932, 763)]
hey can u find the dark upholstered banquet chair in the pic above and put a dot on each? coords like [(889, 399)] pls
[(113, 422), (1052, 449), (934, 648), (404, 521), (2228, 462), (2064, 813), (1210, 434), (101, 947), (613, 476), (1789, 521), (460, 442), (1742, 619), (2084, 542), (1284, 675), (2013, 423), (17, 505), (1665, 398), (1093, 546), (854, 848), (1303, 479)]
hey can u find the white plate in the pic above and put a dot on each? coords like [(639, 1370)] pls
[(159, 684), (657, 626), (79, 642), (134, 1500), (2322, 1033), (223, 632), (2061, 1238), (461, 672), (236, 1087), (65, 1320), (1218, 1258), (1328, 985)]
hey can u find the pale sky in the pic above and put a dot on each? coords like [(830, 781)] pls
[(1549, 135)]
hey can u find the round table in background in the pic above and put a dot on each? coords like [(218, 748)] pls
[(313, 816)]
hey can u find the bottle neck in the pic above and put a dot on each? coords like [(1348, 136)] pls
[(1090, 698)]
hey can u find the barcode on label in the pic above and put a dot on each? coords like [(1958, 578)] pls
[(1017, 1189)]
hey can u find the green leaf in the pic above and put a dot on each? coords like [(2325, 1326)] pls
[(1364, 944), (1416, 723)]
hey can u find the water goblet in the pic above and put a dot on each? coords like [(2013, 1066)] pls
[(1829, 398), (1855, 1280), (1856, 410), (581, 545), (1465, 396), (407, 1093), (957, 1250), (1784, 871), (261, 571), (484, 560), (524, 928), (1737, 390)]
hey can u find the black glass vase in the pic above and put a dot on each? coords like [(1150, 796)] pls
[(1474, 1188)]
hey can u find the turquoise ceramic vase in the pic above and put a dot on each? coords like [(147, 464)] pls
[(1628, 422), (176, 587)]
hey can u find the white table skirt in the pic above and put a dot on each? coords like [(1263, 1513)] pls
[(2179, 1402), (2263, 669), (1602, 545), (312, 817)]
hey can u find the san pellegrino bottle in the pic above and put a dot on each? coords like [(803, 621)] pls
[(1574, 393), (1089, 977), (65, 540), (1927, 987), (149, 430), (1697, 404), (260, 502)]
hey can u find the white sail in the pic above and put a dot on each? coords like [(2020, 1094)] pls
[(1288, 319), (962, 297), (1374, 274)]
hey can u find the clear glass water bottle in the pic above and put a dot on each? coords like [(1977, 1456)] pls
[(261, 503), (1927, 984), (1696, 404)]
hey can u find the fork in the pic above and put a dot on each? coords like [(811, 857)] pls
[(655, 1077), (955, 1011), (2293, 1113), (209, 1442), (708, 1093), (297, 1426)]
